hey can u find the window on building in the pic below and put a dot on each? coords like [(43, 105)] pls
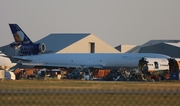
[(92, 47)]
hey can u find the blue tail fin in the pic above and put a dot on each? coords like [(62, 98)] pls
[(19, 35), (27, 47)]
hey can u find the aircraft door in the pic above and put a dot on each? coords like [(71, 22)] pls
[(143, 67), (156, 65), (173, 65)]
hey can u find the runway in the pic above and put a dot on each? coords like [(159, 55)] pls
[(88, 92)]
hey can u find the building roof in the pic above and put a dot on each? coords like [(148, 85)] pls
[(56, 42), (173, 44), (134, 50), (153, 42)]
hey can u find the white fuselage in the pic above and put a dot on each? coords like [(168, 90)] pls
[(100, 60), (157, 64), (5, 62)]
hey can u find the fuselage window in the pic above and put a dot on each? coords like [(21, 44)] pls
[(150, 64), (163, 65)]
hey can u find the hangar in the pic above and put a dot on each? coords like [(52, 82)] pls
[(76, 43), (125, 48), (69, 43), (167, 47)]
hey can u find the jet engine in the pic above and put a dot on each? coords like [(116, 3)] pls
[(32, 49)]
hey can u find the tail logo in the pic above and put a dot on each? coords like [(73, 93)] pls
[(19, 36)]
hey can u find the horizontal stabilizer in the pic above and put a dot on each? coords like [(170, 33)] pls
[(21, 58)]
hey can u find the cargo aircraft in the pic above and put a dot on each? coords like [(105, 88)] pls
[(31, 56)]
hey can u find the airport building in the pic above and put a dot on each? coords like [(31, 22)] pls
[(125, 48), (167, 47), (76, 43)]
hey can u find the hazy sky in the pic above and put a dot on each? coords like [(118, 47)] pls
[(114, 21)]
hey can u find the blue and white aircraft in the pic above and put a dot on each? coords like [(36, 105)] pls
[(75, 60)]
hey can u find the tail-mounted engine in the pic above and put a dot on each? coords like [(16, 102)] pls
[(32, 49)]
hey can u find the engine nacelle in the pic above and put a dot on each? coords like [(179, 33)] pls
[(32, 49)]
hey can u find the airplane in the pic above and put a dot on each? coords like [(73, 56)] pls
[(5, 63), (87, 60), (76, 60), (22, 41), (31, 58)]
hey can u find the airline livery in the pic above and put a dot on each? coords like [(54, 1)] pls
[(82, 60), (27, 47)]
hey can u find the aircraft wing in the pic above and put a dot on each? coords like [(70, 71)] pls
[(26, 61), (60, 65)]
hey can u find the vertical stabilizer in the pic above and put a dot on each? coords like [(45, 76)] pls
[(23, 44), (19, 35)]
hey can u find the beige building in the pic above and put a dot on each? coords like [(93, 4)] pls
[(125, 48), (75, 43)]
